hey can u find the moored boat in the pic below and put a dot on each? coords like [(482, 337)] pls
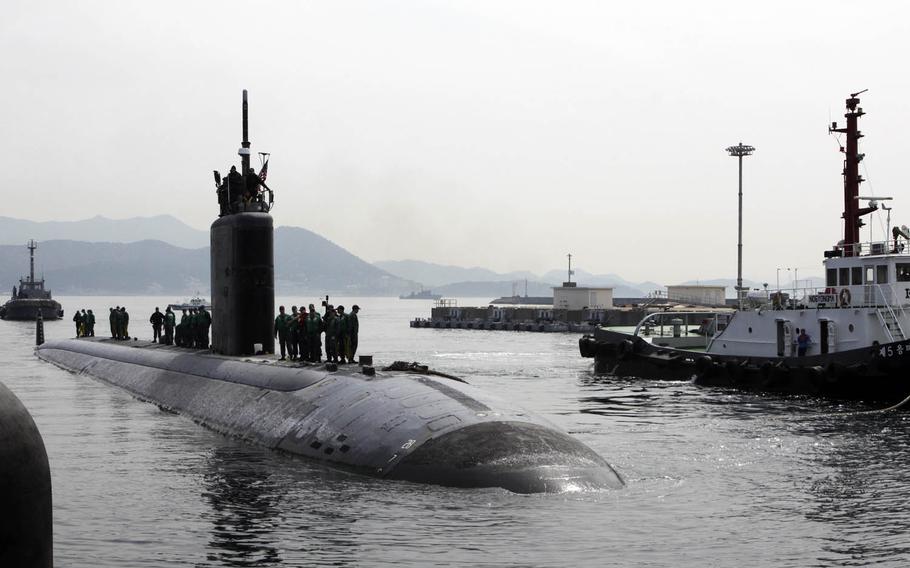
[(848, 339), (31, 297), (193, 303)]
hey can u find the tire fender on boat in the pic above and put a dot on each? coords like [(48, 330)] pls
[(845, 297), (703, 364), (626, 347)]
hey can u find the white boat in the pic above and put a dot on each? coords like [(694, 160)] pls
[(857, 324), (193, 303)]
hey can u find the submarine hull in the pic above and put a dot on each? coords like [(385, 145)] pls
[(26, 523), (405, 426)]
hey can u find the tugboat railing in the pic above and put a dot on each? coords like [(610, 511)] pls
[(893, 315), (874, 248), (646, 322)]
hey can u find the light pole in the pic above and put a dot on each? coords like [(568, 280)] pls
[(779, 268), (739, 151)]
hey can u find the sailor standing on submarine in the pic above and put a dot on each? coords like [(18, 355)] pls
[(281, 331)]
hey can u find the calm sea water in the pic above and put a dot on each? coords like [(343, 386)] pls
[(715, 478)]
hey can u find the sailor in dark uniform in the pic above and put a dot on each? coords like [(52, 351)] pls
[(233, 188)]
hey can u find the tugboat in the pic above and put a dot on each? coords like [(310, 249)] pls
[(31, 297), (848, 340)]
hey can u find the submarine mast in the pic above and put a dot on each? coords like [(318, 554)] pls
[(244, 150), (242, 267)]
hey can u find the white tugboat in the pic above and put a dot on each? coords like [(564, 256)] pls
[(858, 323)]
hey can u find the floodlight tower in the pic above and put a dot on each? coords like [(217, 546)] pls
[(739, 151)]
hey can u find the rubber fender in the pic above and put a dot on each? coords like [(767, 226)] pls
[(766, 369), (703, 364), (832, 370), (732, 368), (586, 346), (625, 348), (816, 371)]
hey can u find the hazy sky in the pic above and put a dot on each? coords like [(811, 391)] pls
[(498, 134)]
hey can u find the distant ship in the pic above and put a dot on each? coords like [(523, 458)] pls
[(193, 303), (422, 295), (31, 297)]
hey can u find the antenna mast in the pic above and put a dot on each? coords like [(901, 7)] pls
[(32, 245), (852, 178), (244, 151)]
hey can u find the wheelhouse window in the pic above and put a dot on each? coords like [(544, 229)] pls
[(856, 275), (881, 274), (831, 277), (903, 272), (844, 276)]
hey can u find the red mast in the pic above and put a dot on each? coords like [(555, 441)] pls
[(852, 179)]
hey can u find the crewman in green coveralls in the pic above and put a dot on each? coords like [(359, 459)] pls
[(291, 325), (281, 331), (341, 337), (330, 323), (353, 331), (170, 322), (203, 322), (191, 329), (125, 323), (77, 319), (181, 329), (313, 333), (90, 324), (118, 323)]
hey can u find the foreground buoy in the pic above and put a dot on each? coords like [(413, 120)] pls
[(26, 531)]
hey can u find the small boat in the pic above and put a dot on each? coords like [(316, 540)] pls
[(849, 339), (422, 295), (31, 297), (193, 303)]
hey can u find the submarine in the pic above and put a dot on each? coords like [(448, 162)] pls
[(399, 423)]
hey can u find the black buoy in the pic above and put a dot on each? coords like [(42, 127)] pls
[(26, 530), (39, 329)]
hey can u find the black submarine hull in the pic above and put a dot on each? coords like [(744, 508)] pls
[(394, 425)]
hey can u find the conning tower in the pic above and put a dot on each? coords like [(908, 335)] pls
[(242, 261)]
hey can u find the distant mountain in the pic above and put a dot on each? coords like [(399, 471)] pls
[(458, 281), (504, 288), (146, 267), (307, 262), (103, 230), (430, 274), (492, 290), (304, 263)]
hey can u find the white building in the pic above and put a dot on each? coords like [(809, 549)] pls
[(572, 297), (697, 295)]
